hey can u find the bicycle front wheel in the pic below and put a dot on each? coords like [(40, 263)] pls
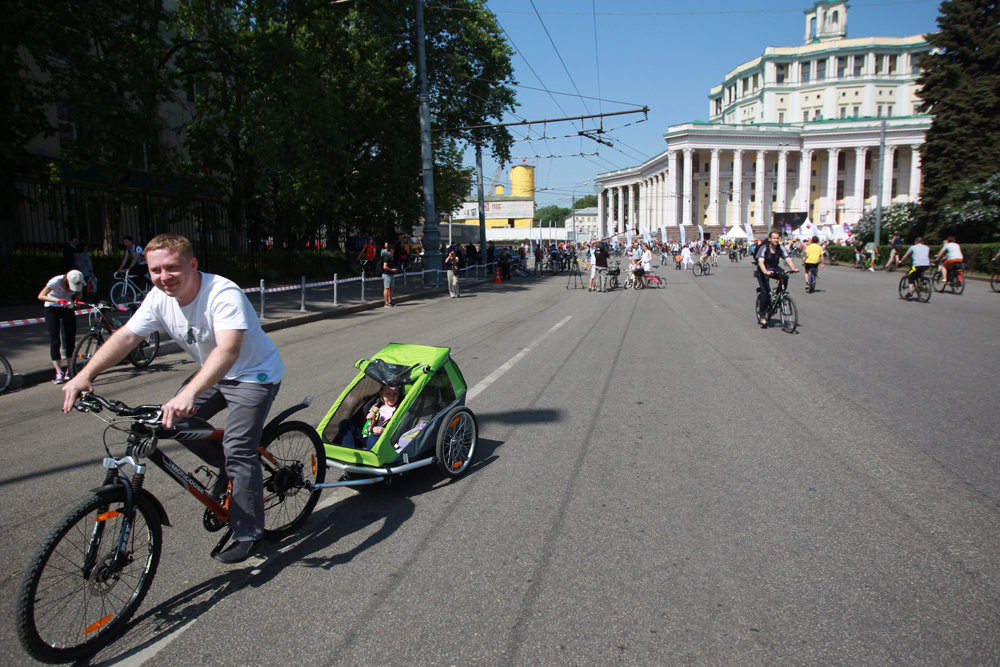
[(6, 374), (789, 314), (123, 294), (696, 268), (995, 282), (904, 287), (76, 596), (84, 352), (938, 281), (293, 461), (145, 351)]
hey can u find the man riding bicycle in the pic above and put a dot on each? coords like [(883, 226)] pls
[(768, 256), (210, 318), (813, 258), (952, 254), (921, 260)]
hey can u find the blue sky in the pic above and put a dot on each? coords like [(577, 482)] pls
[(625, 54)]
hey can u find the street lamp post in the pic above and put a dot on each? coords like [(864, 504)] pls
[(432, 236)]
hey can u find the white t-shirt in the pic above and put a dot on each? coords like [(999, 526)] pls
[(219, 306), (57, 291), (952, 251), (921, 255)]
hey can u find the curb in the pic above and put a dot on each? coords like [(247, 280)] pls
[(36, 376)]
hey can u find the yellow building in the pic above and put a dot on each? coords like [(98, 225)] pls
[(513, 211)]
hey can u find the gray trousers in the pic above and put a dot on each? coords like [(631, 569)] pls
[(602, 278), (237, 460)]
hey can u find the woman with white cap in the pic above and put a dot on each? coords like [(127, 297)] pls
[(58, 296)]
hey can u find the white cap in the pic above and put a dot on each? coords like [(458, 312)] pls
[(75, 280)]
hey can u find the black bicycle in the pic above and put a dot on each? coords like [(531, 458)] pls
[(103, 323), (701, 268), (781, 304), (956, 277), (812, 275), (921, 289), (92, 571)]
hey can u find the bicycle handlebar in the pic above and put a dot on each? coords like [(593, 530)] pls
[(149, 414)]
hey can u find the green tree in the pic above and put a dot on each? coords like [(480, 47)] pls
[(896, 219), (551, 215), (586, 201), (960, 86)]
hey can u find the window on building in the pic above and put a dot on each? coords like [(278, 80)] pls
[(894, 191), (868, 188), (856, 111), (878, 64), (841, 67), (820, 70), (878, 111), (859, 65), (868, 159), (840, 189), (841, 161), (888, 110), (781, 116), (843, 112), (806, 70), (916, 109), (915, 62), (805, 116), (817, 114), (779, 73), (892, 65)]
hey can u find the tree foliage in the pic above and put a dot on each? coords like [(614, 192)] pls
[(899, 219), (974, 208), (960, 86), (552, 215), (586, 201)]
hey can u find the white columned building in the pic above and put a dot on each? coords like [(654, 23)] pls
[(826, 99)]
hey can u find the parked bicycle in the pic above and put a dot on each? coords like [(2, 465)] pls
[(92, 571), (956, 278), (102, 325), (781, 304), (613, 273), (6, 374), (921, 289), (127, 289), (701, 267)]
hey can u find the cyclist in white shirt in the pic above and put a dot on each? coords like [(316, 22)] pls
[(921, 260), (952, 254)]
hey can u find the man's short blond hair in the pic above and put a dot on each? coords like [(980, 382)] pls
[(173, 242)]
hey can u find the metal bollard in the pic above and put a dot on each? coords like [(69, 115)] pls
[(302, 305), (335, 283), (262, 316)]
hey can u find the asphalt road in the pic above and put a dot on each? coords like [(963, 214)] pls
[(659, 481)]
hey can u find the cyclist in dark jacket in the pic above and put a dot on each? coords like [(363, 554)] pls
[(768, 256)]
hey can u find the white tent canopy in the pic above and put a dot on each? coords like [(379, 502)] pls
[(735, 233)]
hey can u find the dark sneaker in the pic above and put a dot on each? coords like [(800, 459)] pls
[(237, 552)]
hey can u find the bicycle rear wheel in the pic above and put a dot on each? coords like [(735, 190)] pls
[(995, 282), (73, 599), (938, 281), (789, 314), (293, 461), (958, 284), (84, 352), (924, 290), (6, 374), (145, 351)]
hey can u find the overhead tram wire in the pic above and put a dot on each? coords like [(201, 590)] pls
[(559, 55)]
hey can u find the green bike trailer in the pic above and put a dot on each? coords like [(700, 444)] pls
[(431, 424)]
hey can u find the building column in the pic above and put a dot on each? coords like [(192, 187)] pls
[(914, 173), (831, 186), (670, 200), (633, 200), (737, 219), (713, 188), (620, 227), (602, 213), (760, 196), (805, 180), (859, 180), (688, 185), (782, 180), (890, 151)]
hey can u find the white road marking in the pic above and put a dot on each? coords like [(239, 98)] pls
[(498, 373)]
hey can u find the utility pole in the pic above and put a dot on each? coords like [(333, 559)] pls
[(482, 205), (432, 236), (878, 189)]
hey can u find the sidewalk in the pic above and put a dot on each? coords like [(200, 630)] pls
[(26, 346)]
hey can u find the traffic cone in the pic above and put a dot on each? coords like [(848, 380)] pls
[(497, 279)]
